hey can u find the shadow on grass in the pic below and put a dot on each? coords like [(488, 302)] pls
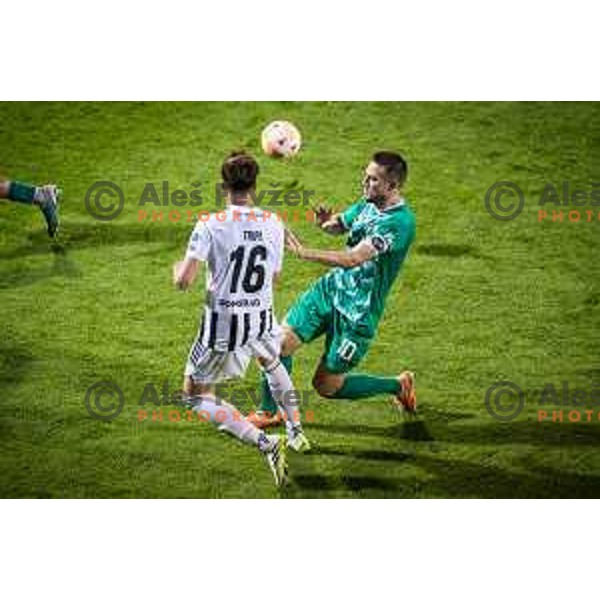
[(381, 455), (62, 266), (78, 237), (309, 485), (461, 478), (314, 481), (448, 478), (415, 430), (447, 250), (15, 361), (94, 234), (493, 433), (521, 432)]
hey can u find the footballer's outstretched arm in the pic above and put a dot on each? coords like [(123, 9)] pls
[(334, 258), (185, 273)]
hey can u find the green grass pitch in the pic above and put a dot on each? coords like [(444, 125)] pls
[(478, 301)]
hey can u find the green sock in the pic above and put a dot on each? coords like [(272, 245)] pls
[(267, 402), (357, 385), (21, 192)]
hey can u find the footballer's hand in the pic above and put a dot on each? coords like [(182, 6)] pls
[(332, 226), (323, 214), (179, 284), (176, 269), (292, 243), (185, 273)]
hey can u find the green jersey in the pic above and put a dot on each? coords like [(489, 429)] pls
[(359, 293)]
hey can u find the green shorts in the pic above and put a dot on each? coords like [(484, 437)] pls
[(313, 314)]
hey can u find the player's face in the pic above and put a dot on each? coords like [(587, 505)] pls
[(375, 184)]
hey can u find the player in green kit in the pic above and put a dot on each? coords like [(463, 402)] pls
[(346, 304)]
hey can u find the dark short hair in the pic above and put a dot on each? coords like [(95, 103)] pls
[(396, 168), (239, 172)]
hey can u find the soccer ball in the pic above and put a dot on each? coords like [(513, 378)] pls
[(281, 139)]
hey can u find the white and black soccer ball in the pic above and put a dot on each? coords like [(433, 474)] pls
[(281, 139)]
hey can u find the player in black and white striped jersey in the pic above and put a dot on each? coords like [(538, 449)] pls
[(242, 247)]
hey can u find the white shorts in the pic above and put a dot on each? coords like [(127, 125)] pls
[(210, 366)]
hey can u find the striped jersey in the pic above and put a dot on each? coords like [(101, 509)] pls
[(243, 250)]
